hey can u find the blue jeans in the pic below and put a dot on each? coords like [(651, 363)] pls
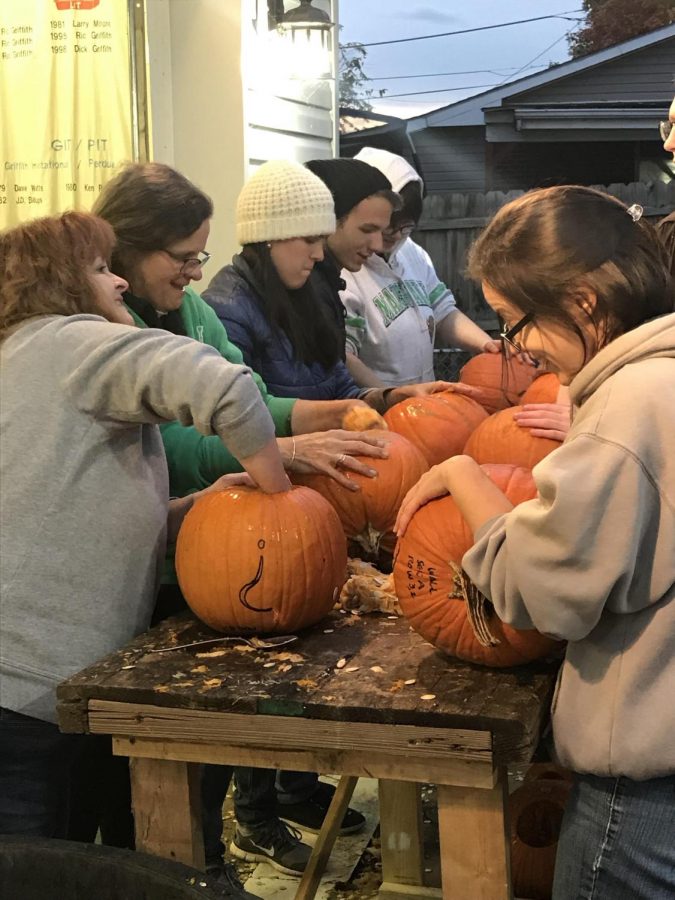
[(617, 841), (36, 762), (256, 799)]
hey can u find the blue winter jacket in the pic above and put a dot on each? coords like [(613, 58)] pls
[(235, 298)]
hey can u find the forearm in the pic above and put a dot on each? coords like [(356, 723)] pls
[(320, 415), (361, 373), (477, 498), (266, 468), (457, 330)]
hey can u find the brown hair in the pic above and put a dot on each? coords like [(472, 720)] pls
[(553, 245), (665, 230), (43, 267), (150, 206), (385, 194)]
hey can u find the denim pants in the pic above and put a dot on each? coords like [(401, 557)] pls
[(257, 796), (36, 763), (617, 840)]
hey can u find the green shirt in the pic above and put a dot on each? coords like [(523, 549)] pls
[(196, 461)]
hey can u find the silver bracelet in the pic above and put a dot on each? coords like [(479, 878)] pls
[(293, 454)]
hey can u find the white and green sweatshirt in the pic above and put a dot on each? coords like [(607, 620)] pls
[(393, 306)]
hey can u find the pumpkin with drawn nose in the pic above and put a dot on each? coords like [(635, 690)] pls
[(265, 563)]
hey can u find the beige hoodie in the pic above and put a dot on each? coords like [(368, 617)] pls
[(592, 560)]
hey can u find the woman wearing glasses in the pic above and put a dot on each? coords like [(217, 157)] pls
[(397, 308), (161, 221), (585, 286)]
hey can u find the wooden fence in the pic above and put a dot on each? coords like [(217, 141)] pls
[(451, 222)]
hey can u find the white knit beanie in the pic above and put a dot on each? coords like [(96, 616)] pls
[(283, 200)]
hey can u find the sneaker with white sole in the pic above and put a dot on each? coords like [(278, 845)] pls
[(274, 842), (309, 814)]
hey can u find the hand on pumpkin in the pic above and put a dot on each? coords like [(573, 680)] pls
[(467, 390), (547, 420), (332, 453), (434, 483), (227, 481), (310, 416), (406, 391), (477, 498), (494, 345)]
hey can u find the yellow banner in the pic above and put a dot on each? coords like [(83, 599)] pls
[(65, 103)]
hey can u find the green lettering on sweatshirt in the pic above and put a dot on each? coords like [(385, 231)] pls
[(396, 298)]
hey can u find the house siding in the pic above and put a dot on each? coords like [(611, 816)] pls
[(451, 159), (643, 75)]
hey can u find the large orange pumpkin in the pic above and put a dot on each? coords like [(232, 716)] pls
[(368, 515), (501, 380), (542, 390), (437, 424), (437, 597), (499, 439), (254, 562)]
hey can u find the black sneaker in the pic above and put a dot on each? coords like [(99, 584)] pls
[(226, 878), (275, 843), (309, 814)]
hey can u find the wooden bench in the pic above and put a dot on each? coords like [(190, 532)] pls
[(396, 710)]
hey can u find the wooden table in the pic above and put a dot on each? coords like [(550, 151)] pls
[(294, 708)]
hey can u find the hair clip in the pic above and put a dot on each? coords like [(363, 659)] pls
[(635, 212)]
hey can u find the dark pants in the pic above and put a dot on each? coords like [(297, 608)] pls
[(101, 797), (36, 768)]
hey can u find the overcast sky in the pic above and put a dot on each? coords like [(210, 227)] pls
[(501, 52)]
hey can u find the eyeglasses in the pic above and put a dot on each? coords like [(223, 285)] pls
[(191, 264), (403, 230), (508, 334), (665, 130)]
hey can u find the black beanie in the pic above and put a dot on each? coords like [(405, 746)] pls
[(349, 180)]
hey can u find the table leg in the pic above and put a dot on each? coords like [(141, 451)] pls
[(166, 800), (474, 842), (326, 838), (401, 832)]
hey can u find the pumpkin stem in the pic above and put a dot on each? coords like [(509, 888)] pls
[(477, 606)]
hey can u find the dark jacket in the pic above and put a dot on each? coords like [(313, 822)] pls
[(235, 297), (327, 283)]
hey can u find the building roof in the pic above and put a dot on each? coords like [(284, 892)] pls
[(471, 110)]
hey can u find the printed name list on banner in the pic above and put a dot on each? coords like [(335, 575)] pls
[(65, 103)]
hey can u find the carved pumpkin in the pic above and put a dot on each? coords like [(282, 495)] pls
[(499, 439), (437, 424), (535, 812), (363, 418), (501, 380), (368, 515), (437, 597), (254, 562), (542, 390)]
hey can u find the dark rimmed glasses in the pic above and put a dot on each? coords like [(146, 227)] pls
[(665, 130), (508, 334), (191, 264), (405, 229)]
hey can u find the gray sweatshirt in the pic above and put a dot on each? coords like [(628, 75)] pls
[(85, 487), (592, 560)]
